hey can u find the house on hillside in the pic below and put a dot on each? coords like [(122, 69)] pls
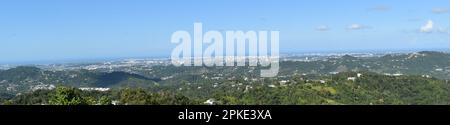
[(351, 78), (210, 102)]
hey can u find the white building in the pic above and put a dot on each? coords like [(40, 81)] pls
[(209, 102), (351, 78), (358, 75), (397, 74), (322, 81), (95, 89)]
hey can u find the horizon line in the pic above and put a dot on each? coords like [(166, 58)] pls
[(111, 58)]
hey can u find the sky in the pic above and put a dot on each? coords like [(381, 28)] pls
[(32, 30)]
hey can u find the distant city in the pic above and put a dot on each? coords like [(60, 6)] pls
[(146, 62)]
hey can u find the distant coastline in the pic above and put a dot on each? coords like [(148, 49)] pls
[(283, 53)]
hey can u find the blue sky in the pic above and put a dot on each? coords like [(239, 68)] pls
[(32, 30)]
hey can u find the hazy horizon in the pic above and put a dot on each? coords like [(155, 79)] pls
[(102, 59)]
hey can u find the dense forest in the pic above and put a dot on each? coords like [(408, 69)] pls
[(367, 89)]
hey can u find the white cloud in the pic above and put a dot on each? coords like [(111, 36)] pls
[(322, 28), (357, 27), (440, 10), (432, 27), (427, 28), (414, 19), (380, 8), (444, 30)]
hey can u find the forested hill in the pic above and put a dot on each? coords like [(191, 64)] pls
[(26, 78), (343, 88), (435, 64)]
